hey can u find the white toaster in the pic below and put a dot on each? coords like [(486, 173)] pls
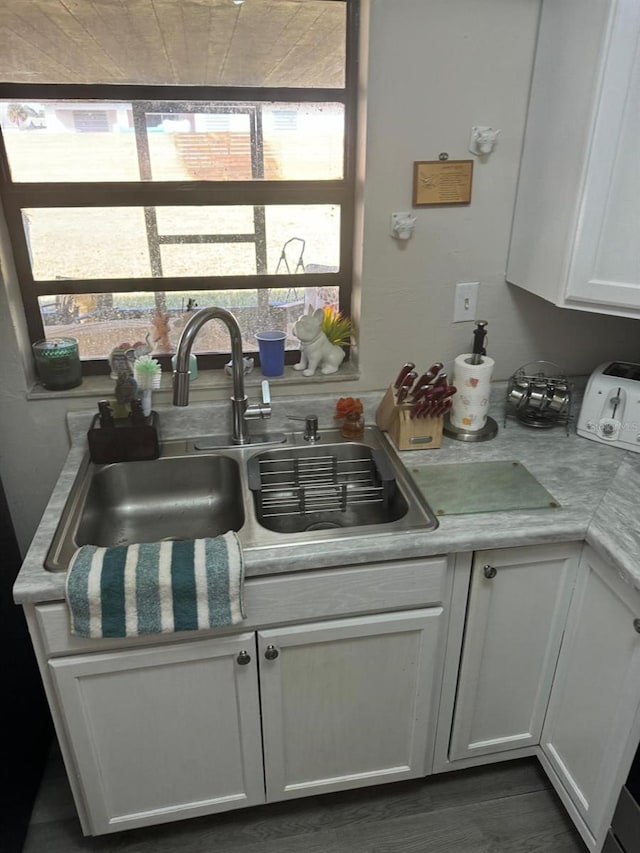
[(610, 410)]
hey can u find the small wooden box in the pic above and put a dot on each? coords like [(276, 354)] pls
[(407, 433)]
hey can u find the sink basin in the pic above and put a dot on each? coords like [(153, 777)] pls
[(294, 493), (184, 497), (324, 487)]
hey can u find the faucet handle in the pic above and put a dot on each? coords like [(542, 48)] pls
[(311, 433), (260, 410)]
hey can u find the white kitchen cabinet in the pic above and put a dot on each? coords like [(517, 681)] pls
[(593, 718), (517, 609), (349, 703), (159, 732), (577, 215), (162, 734)]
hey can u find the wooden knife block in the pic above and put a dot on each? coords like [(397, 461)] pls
[(407, 433)]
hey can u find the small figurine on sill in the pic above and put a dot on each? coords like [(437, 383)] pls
[(316, 349), (126, 390)]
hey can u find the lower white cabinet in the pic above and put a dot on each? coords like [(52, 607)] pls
[(518, 651), (349, 703), (594, 712), (163, 733), (517, 608)]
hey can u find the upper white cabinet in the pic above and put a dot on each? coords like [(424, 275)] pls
[(576, 229), (591, 728)]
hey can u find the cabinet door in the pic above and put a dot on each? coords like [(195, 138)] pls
[(349, 703), (163, 734), (574, 237), (606, 265), (517, 610), (596, 693)]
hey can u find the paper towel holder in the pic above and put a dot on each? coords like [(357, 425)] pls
[(489, 430)]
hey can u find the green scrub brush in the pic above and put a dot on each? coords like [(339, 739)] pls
[(147, 372)]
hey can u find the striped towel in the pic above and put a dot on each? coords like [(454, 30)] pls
[(156, 587)]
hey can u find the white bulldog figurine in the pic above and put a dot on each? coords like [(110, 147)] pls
[(316, 349)]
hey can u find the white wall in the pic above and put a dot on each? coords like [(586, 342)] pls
[(437, 67)]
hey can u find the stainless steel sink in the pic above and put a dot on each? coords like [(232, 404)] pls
[(324, 488), (164, 499), (183, 497), (295, 494)]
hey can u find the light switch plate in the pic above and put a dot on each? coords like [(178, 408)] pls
[(466, 301)]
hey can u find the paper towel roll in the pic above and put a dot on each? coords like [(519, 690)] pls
[(470, 405)]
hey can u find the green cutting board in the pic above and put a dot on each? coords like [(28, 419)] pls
[(469, 487)]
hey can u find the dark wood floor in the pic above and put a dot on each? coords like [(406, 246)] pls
[(500, 808)]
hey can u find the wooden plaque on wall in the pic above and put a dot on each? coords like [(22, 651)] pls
[(442, 182)]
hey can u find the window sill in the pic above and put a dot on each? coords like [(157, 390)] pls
[(208, 380)]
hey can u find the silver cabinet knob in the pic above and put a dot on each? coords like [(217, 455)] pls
[(636, 624), (489, 571), (271, 653), (243, 657)]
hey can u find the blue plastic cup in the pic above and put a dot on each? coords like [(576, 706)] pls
[(271, 348)]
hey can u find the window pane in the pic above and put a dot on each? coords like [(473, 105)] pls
[(104, 243), (79, 141), (69, 141), (203, 42), (93, 242), (294, 142), (101, 322)]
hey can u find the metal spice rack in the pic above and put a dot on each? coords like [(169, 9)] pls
[(539, 395)]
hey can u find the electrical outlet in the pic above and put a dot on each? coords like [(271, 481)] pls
[(465, 302)]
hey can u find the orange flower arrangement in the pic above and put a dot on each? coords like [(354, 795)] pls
[(348, 406), (349, 411)]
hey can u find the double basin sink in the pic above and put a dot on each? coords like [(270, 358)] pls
[(285, 493)]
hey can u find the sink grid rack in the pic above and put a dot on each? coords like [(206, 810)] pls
[(324, 483)]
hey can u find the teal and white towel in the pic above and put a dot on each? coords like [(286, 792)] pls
[(156, 587)]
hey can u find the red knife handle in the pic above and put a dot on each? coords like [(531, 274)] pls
[(428, 377), (419, 390), (449, 391), (406, 368), (409, 379), (401, 394), (418, 408)]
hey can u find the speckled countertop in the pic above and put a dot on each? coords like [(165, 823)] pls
[(597, 487)]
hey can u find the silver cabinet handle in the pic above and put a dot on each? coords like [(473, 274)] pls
[(243, 657), (271, 653), (489, 571), (636, 624)]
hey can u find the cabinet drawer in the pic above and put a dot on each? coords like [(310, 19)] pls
[(283, 599)]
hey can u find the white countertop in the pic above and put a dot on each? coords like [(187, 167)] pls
[(597, 487)]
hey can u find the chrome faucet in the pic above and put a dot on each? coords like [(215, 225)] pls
[(241, 410)]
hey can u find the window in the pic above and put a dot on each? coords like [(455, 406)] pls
[(129, 205)]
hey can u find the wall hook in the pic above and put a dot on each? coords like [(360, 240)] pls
[(483, 140)]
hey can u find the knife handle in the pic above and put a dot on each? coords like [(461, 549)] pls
[(401, 394), (405, 369)]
